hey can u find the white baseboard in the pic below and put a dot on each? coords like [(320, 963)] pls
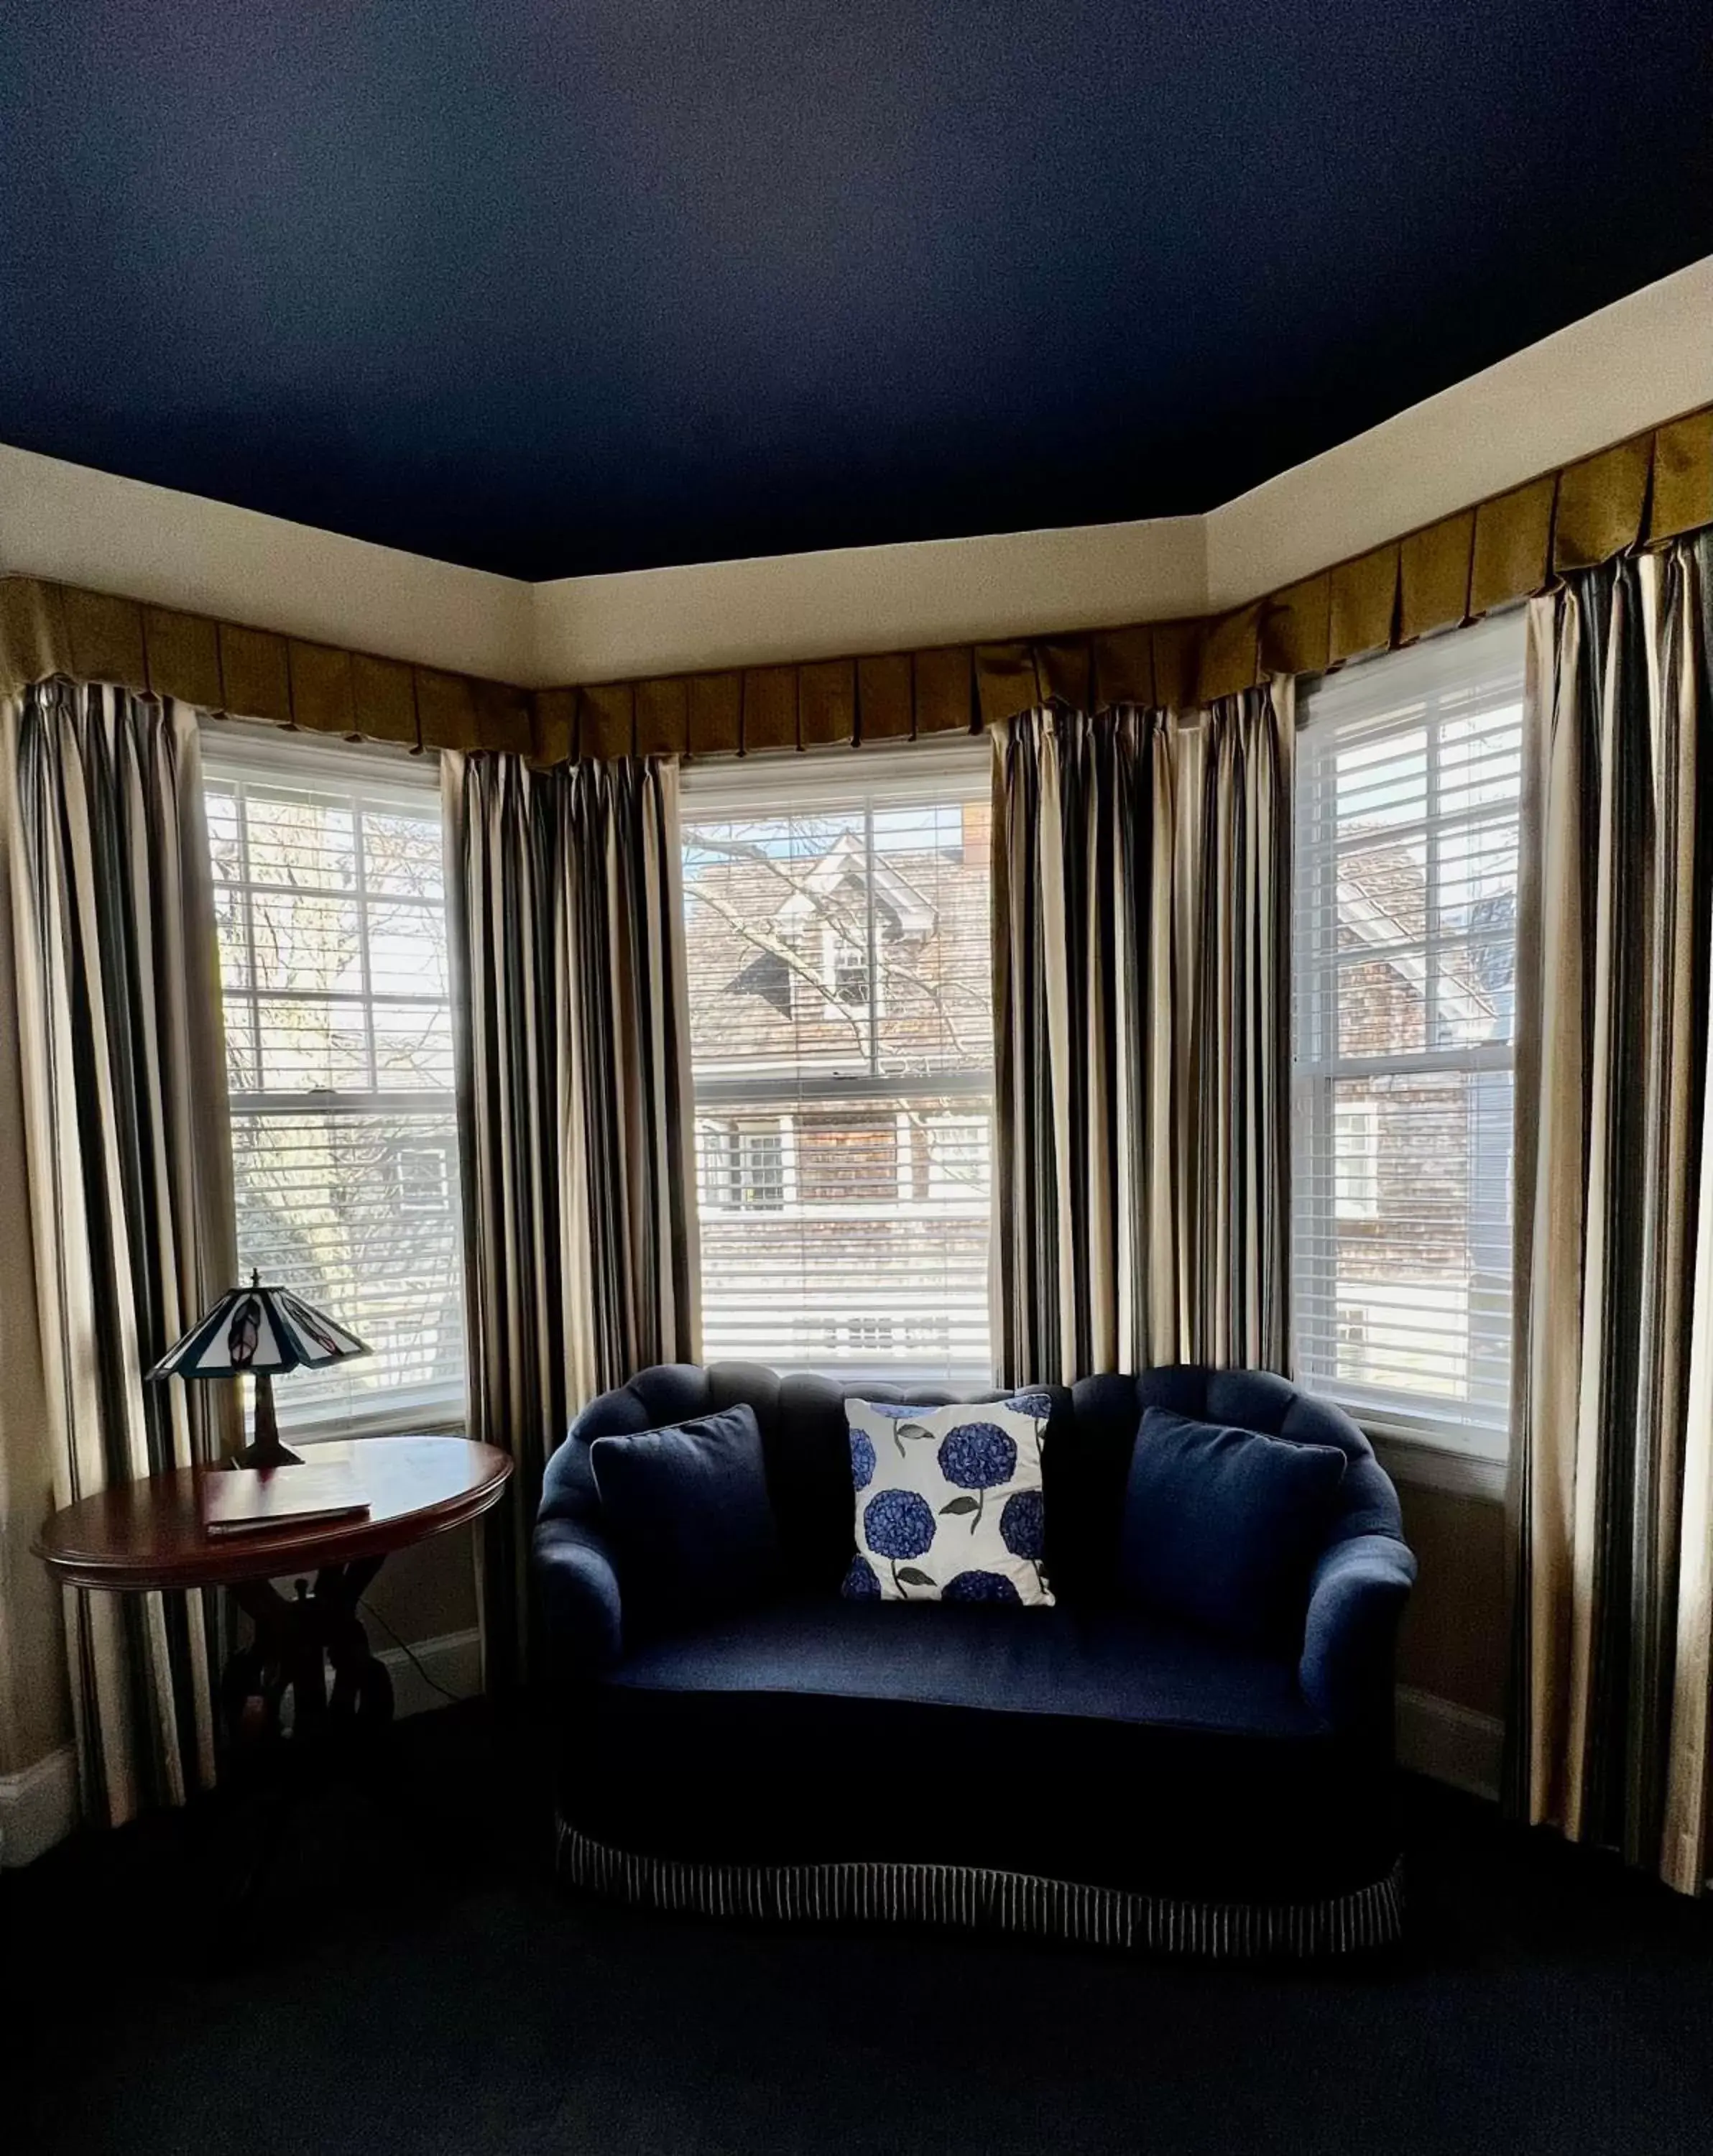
[(38, 1807), (1450, 1743), (39, 1803), (452, 1660)]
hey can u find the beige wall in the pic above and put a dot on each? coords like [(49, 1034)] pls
[(35, 1708), (868, 598), (425, 1593), (1642, 360), (1455, 1639), (80, 526)]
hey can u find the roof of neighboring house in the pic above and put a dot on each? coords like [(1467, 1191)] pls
[(1382, 904), (757, 980)]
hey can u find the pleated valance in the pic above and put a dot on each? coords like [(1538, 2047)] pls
[(1643, 492), (48, 628)]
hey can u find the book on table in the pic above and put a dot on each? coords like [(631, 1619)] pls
[(245, 1500)]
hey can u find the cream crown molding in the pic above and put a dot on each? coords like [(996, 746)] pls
[(72, 524), (1630, 366), (1643, 360)]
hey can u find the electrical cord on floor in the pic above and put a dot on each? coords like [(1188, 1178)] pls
[(406, 1649)]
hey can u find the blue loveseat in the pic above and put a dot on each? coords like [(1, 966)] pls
[(1085, 1771)]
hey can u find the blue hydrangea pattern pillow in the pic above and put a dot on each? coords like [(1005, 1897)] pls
[(948, 1501)]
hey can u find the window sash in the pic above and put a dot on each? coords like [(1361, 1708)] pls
[(1436, 729), (797, 1306), (254, 765)]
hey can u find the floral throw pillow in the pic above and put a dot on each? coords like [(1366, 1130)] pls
[(948, 1501)]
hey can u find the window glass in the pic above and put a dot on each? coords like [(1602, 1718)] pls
[(841, 1035), (1408, 784), (331, 912)]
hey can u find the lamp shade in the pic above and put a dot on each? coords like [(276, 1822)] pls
[(256, 1331)]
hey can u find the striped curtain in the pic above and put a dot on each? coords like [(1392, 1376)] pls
[(574, 1105), (129, 1180), (1612, 1486), (1141, 899)]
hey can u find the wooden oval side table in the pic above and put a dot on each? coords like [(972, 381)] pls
[(144, 1535)]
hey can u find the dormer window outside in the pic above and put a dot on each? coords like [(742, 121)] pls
[(847, 971)]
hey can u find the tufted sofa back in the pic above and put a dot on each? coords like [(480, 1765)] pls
[(1085, 1460)]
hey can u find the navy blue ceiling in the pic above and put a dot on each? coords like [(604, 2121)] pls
[(555, 288)]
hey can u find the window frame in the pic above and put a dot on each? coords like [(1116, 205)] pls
[(834, 947), (240, 752), (774, 783), (1362, 1203), (1469, 1445), (734, 1132)]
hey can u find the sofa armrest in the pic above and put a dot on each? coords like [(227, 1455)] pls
[(1356, 1597), (578, 1588)]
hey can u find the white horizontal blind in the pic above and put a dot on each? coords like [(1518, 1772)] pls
[(328, 891), (841, 1028), (1408, 774)]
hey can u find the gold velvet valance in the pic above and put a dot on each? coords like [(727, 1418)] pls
[(1641, 493), (46, 630)]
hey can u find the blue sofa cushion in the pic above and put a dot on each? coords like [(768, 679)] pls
[(687, 1511), (1222, 1525), (1116, 1665), (1086, 1458)]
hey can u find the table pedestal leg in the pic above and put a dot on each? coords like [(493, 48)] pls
[(294, 1640)]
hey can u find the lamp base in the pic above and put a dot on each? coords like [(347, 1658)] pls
[(266, 1450), (260, 1455)]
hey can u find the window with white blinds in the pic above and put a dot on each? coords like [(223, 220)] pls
[(329, 895), (836, 918), (1408, 776)]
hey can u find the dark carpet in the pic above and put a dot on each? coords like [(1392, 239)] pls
[(406, 1977)]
